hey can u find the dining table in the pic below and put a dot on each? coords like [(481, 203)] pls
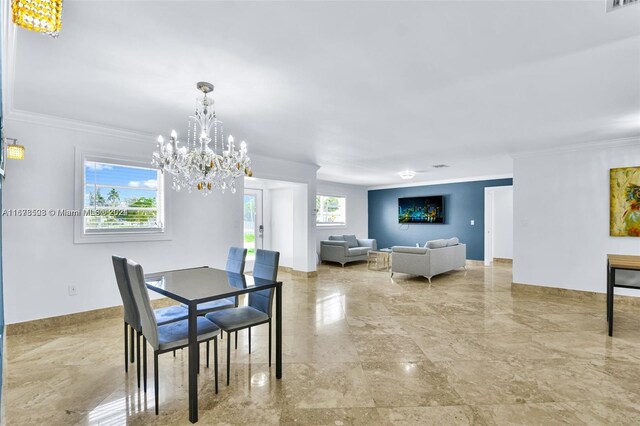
[(203, 284), (620, 262)]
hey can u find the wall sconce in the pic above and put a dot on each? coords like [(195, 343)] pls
[(15, 151)]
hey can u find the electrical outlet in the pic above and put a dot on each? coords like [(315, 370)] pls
[(73, 290), (473, 222)]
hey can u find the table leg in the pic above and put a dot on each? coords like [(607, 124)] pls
[(279, 330), (193, 364), (608, 291), (612, 280)]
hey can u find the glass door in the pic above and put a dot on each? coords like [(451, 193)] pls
[(253, 227)]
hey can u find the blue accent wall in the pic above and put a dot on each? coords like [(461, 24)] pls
[(463, 202)]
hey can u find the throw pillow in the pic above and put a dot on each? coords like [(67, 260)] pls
[(453, 241), (434, 244), (352, 240)]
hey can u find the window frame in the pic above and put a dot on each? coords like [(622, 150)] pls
[(327, 225), (119, 235)]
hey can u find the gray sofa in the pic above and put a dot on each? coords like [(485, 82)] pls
[(437, 257), (345, 248)]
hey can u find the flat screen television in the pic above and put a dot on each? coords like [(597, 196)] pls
[(421, 209)]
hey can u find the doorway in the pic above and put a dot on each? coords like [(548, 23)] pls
[(498, 224), (253, 224), (282, 208)]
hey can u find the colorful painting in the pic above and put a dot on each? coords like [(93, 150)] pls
[(624, 216)]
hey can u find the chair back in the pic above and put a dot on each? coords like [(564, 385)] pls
[(131, 315), (236, 260), (266, 267), (141, 297)]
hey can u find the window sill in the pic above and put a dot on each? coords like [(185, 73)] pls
[(120, 237), (328, 226)]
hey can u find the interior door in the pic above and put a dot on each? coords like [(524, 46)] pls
[(253, 225)]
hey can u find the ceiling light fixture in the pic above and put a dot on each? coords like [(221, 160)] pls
[(196, 164), (407, 174), (43, 16), (15, 151)]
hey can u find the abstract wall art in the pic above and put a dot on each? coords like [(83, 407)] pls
[(624, 208)]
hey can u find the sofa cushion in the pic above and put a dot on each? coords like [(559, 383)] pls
[(352, 240), (408, 249), (453, 241), (358, 251), (434, 244), (336, 238)]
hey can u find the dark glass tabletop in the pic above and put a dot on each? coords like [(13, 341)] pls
[(197, 285)]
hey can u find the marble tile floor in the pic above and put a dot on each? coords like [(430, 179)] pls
[(360, 348)]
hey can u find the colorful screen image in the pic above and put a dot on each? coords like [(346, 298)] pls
[(421, 209)]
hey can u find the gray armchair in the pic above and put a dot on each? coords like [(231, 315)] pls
[(346, 248)]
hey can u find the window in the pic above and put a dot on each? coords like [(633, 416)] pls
[(331, 210), (120, 200)]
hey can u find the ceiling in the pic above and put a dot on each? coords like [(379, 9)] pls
[(362, 89)]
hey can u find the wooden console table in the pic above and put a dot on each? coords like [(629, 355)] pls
[(615, 262)]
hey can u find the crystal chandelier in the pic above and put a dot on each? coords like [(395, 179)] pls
[(44, 16), (196, 164)]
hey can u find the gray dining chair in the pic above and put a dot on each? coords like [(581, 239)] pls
[(235, 263), (132, 324), (259, 308), (168, 337)]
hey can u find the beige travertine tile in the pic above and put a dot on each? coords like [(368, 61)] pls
[(407, 384), (359, 348), (438, 415), (330, 416)]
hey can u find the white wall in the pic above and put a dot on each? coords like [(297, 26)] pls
[(561, 216), (357, 211), (282, 224), (503, 222), (40, 257)]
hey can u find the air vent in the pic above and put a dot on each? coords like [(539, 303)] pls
[(440, 166), (617, 4)]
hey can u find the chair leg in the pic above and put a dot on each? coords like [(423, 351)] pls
[(236, 340), (215, 360), (228, 356), (249, 332), (126, 347), (207, 354), (144, 361), (269, 343), (131, 344), (138, 356), (155, 380), (174, 353)]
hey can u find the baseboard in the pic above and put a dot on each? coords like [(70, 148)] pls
[(576, 294), (296, 273), (503, 260), (475, 262), (76, 318)]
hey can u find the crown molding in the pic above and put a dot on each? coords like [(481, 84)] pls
[(440, 182), (77, 125), (590, 145)]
